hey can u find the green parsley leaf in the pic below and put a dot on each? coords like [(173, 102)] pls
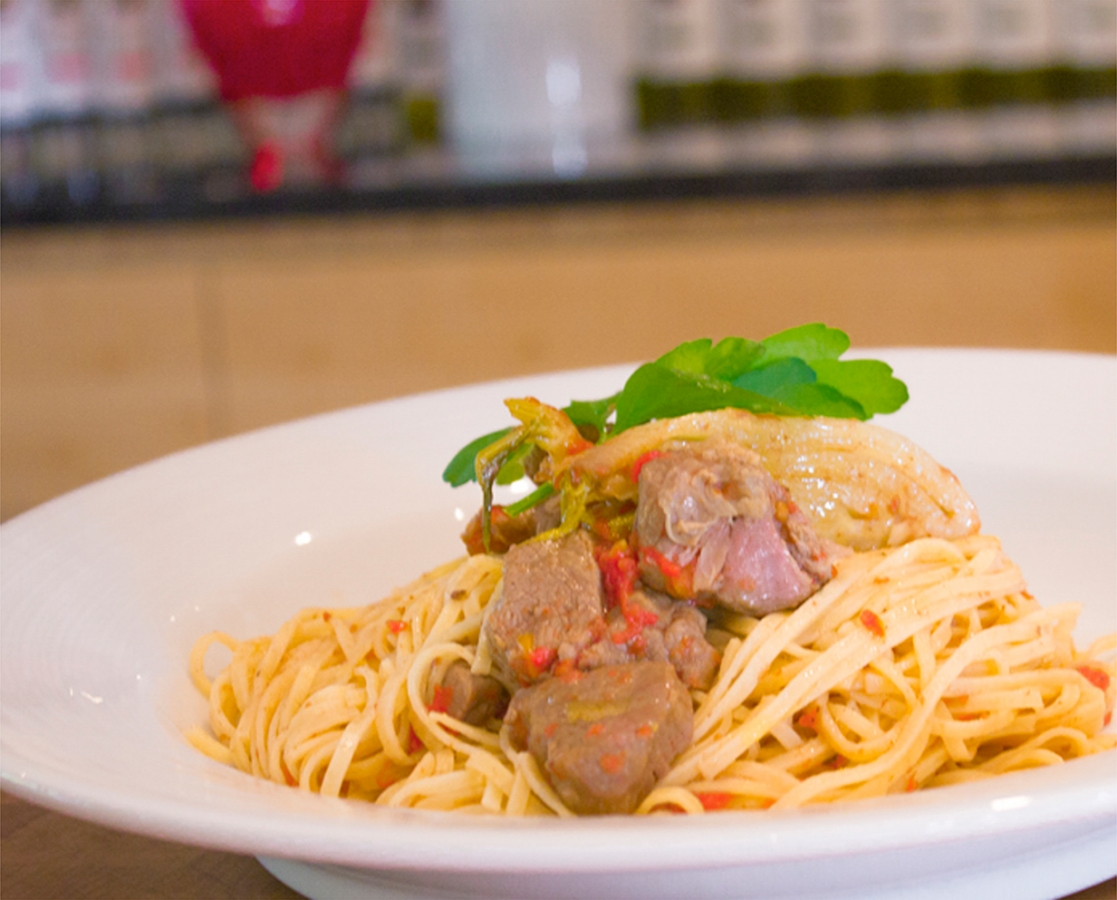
[(867, 381), (797, 372), (807, 342), (655, 391), (460, 470), (771, 377), (726, 360)]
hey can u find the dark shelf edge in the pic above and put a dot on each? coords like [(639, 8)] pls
[(185, 205)]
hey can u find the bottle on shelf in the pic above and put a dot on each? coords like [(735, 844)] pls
[(372, 127), (197, 149), (763, 49), (124, 92), (19, 185), (850, 49), (936, 44), (422, 63), (1010, 78), (677, 59), (1083, 80), (64, 152)]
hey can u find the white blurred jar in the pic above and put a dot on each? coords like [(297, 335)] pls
[(530, 79)]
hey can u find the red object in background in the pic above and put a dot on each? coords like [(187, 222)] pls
[(267, 51), (277, 48)]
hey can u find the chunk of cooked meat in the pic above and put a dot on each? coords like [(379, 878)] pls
[(860, 485), (712, 524), (471, 698), (604, 738), (550, 607), (676, 633)]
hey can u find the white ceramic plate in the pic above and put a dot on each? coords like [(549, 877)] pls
[(104, 590)]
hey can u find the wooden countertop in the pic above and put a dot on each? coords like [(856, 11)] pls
[(121, 345)]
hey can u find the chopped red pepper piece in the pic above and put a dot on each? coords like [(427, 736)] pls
[(872, 622), (541, 658), (808, 718), (1096, 677), (618, 572), (396, 625), (440, 702), (679, 578), (714, 800), (595, 729), (642, 460), (665, 564)]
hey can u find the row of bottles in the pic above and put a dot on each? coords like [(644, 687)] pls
[(742, 60), (110, 101)]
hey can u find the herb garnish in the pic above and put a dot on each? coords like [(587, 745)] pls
[(797, 372)]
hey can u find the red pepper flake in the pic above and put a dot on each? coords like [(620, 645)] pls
[(645, 731), (641, 461), (326, 615), (872, 622), (912, 784), (291, 780), (808, 718), (894, 506), (440, 702), (1108, 718), (618, 572), (414, 743), (638, 619), (396, 625), (679, 578), (665, 564), (540, 659), (612, 762), (550, 729), (1096, 677), (714, 800), (838, 762), (595, 729)]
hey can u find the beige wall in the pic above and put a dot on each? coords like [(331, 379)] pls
[(123, 344)]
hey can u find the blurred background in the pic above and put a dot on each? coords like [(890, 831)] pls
[(222, 215)]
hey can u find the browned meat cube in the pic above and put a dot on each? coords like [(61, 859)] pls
[(604, 738), (473, 699), (550, 608), (713, 525), (677, 635)]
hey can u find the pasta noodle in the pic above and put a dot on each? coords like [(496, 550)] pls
[(917, 666)]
